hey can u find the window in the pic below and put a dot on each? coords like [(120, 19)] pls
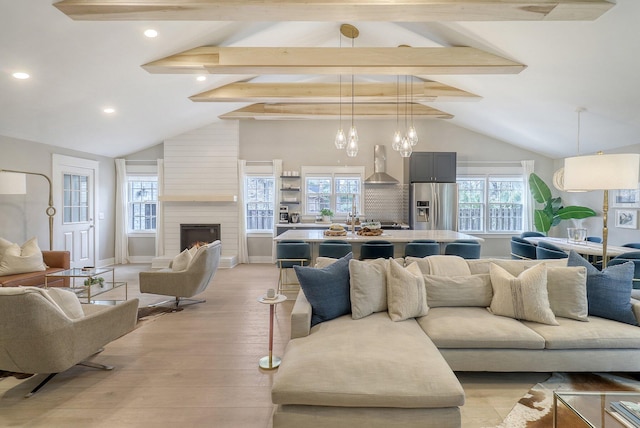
[(332, 188), (76, 199), (491, 203), (259, 201), (142, 196)]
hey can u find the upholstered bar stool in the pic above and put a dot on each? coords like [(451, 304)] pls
[(290, 253), (334, 249), (466, 250), (376, 249), (421, 249)]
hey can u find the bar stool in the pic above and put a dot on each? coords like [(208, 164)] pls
[(466, 250), (418, 248), (334, 249), (290, 253), (376, 249)]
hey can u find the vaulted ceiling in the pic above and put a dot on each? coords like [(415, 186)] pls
[(514, 70)]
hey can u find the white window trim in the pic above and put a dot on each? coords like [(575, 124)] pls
[(261, 171), (485, 172), (140, 171), (333, 171)]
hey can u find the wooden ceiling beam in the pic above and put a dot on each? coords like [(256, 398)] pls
[(333, 111), (334, 10), (304, 92), (313, 60)]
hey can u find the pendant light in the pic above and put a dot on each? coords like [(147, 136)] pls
[(397, 136), (352, 139), (340, 140), (412, 134), (405, 146)]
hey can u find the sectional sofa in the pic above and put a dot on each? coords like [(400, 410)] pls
[(391, 362)]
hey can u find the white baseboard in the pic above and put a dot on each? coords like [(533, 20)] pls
[(105, 262), (228, 262), (261, 259)]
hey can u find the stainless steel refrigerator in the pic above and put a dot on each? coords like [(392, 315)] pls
[(433, 206)]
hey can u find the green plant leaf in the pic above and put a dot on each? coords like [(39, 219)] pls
[(539, 189), (556, 204), (574, 211), (542, 221)]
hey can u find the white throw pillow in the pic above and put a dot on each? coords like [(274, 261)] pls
[(368, 287), (524, 297), (67, 301), (406, 293), (181, 261), (27, 258), (452, 291), (567, 287)]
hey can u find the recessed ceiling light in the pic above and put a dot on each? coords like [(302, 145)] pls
[(109, 110), (21, 75), (151, 33), (201, 78)]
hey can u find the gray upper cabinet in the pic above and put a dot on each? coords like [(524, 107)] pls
[(432, 167)]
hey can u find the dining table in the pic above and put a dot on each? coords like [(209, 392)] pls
[(585, 248), (398, 237)]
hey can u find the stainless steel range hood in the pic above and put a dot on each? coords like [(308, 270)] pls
[(379, 175)]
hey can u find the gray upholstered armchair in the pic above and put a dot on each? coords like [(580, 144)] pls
[(186, 283), (49, 331)]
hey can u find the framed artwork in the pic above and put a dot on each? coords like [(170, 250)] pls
[(626, 198), (627, 219)]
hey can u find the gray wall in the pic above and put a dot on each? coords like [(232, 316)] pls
[(23, 216)]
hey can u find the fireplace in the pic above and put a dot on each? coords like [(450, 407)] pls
[(192, 233)]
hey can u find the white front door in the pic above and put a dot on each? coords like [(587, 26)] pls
[(74, 190)]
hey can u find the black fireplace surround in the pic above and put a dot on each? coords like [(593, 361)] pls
[(192, 233)]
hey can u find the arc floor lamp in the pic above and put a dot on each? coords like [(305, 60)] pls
[(14, 182)]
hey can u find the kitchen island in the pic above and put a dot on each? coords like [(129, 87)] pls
[(398, 237)]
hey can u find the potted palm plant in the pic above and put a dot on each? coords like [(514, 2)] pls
[(553, 211)]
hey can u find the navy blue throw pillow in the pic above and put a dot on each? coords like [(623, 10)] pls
[(326, 289), (609, 291)]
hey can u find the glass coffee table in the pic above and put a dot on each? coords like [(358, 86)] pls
[(88, 283), (589, 409)]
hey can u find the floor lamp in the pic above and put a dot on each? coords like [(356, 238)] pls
[(14, 183), (602, 172)]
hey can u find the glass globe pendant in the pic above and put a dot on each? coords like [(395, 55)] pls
[(397, 141), (341, 139), (405, 148), (352, 145), (412, 135)]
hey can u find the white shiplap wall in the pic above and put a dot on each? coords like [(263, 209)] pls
[(203, 162)]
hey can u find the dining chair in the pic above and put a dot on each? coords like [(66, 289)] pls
[(531, 234), (522, 249), (466, 250), (632, 245), (546, 250), (596, 239)]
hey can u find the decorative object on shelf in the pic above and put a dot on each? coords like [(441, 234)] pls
[(15, 183), (602, 172), (553, 212), (96, 280), (326, 214)]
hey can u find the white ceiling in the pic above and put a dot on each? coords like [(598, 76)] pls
[(80, 67)]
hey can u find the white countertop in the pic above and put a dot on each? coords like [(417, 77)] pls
[(393, 235)]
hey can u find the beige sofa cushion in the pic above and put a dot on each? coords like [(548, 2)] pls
[(514, 267), (598, 333), (524, 297), (468, 290), (406, 293), (368, 290), (477, 328), (27, 258), (370, 362)]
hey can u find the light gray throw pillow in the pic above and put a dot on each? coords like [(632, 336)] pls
[(368, 287), (452, 291), (406, 293)]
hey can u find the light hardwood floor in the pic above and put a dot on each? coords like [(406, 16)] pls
[(199, 368)]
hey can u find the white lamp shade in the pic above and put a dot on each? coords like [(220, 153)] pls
[(602, 172), (12, 183)]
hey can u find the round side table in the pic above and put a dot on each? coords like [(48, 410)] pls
[(270, 362)]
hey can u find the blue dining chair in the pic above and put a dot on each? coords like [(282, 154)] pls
[(532, 235), (546, 250), (522, 249), (466, 250), (334, 249), (376, 249), (290, 253), (421, 249)]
